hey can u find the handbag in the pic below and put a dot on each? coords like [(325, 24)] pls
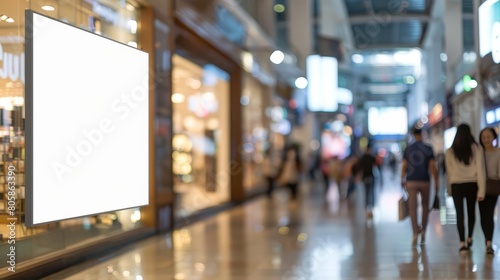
[(492, 185), (403, 207)]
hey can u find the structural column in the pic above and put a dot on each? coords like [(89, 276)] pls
[(453, 39), (300, 28)]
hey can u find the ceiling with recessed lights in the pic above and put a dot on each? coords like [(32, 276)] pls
[(379, 31), (388, 23)]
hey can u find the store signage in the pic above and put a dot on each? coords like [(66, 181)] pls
[(493, 116), (495, 42), (436, 114), (466, 84), (87, 123), (105, 12), (489, 29), (112, 16), (230, 26), (12, 66)]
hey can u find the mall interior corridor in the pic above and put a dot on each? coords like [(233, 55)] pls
[(311, 238), (137, 137)]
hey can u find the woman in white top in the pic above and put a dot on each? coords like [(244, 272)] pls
[(487, 206), (466, 179), (290, 169)]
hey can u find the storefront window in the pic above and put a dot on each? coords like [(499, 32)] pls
[(201, 161), (255, 99), (110, 18), (163, 107)]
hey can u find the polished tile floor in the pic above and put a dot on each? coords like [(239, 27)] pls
[(315, 237)]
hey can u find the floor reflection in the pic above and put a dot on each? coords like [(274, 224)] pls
[(315, 237)]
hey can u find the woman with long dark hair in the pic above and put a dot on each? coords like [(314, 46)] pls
[(466, 179), (487, 206)]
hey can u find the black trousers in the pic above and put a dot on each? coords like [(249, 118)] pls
[(326, 181), (270, 185), (486, 210), (369, 183), (469, 192), (293, 189)]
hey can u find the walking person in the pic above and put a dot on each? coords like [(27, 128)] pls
[(466, 180), (366, 164), (351, 168), (269, 171), (335, 172), (290, 169), (418, 162), (487, 206)]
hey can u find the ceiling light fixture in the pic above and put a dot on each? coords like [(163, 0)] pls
[(357, 58), (443, 57), (279, 8), (301, 82), (277, 57), (48, 5), (3, 17), (130, 7), (48, 8)]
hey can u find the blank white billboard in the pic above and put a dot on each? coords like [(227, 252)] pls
[(489, 29), (87, 129), (322, 89), (387, 121)]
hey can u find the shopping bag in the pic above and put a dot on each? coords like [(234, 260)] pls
[(403, 207)]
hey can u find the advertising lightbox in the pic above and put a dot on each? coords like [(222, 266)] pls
[(387, 121), (322, 89), (489, 29), (87, 128)]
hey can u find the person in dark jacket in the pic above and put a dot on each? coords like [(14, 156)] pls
[(418, 165), (366, 165)]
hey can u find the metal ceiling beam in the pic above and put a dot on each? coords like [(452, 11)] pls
[(435, 30), (384, 19), (388, 46)]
